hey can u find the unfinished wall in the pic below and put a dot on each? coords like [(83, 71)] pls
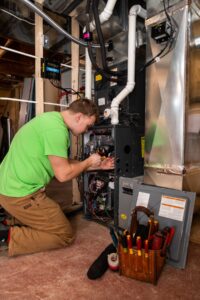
[(11, 108)]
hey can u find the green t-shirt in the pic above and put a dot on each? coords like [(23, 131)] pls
[(26, 167)]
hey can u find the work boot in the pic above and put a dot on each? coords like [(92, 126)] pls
[(100, 265)]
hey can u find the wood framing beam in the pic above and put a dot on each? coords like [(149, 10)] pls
[(75, 85), (39, 84), (7, 43)]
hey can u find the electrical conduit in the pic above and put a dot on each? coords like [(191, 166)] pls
[(55, 25)]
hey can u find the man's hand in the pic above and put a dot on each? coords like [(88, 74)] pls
[(107, 163), (95, 160)]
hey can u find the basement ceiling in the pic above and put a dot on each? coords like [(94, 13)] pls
[(18, 32)]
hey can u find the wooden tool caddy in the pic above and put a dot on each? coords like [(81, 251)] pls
[(140, 265)]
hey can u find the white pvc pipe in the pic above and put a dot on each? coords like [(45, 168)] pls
[(33, 56), (88, 76), (70, 67), (104, 16), (18, 52), (134, 11), (30, 101)]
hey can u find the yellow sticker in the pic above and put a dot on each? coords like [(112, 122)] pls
[(123, 216), (98, 77)]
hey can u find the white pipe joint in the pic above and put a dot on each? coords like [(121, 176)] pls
[(117, 100), (127, 90), (105, 15), (138, 10), (134, 11)]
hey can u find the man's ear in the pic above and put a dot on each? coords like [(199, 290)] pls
[(78, 116)]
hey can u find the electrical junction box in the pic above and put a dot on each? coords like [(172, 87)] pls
[(50, 69), (161, 32), (172, 208)]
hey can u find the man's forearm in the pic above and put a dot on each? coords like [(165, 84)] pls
[(74, 161), (93, 169), (66, 169), (76, 168)]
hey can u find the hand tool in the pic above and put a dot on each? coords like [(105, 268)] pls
[(129, 243), (114, 238), (146, 248), (122, 240), (157, 241), (139, 245), (169, 236), (150, 228), (155, 225)]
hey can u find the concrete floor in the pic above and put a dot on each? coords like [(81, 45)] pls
[(61, 274)]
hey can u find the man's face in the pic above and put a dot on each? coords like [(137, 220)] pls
[(83, 123)]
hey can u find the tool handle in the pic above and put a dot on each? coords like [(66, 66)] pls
[(114, 238), (168, 240), (134, 222), (170, 236), (139, 245), (146, 248)]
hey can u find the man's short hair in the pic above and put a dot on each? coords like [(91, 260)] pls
[(84, 106)]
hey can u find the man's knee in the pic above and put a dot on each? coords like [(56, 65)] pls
[(68, 235)]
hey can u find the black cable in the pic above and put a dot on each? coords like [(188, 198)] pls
[(173, 30), (92, 58), (95, 4), (87, 9), (65, 89), (169, 43), (98, 69)]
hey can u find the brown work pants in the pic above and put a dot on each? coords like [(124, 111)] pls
[(41, 224)]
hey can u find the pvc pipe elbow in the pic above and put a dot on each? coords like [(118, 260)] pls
[(105, 15), (124, 93), (130, 86), (138, 10), (114, 116)]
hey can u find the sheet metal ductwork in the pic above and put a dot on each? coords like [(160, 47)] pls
[(172, 134)]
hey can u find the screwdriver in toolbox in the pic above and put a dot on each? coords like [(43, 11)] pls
[(168, 239), (146, 248), (124, 243), (129, 243), (122, 240), (139, 245), (114, 238)]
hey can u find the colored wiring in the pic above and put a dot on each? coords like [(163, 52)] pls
[(67, 90)]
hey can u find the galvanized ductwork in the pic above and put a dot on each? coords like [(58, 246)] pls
[(172, 135)]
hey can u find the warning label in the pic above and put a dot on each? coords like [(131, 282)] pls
[(172, 208)]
